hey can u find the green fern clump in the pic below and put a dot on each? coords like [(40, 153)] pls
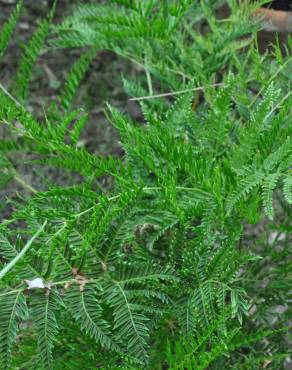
[(153, 270)]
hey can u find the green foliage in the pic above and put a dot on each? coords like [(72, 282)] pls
[(194, 354), (287, 188), (74, 78), (8, 28), (13, 311), (155, 269), (43, 307), (85, 308), (30, 55)]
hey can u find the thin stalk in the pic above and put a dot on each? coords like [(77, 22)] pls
[(7, 222), (173, 92), (149, 81), (13, 262), (9, 95), (24, 183)]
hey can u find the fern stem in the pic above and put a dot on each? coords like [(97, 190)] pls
[(77, 215), (13, 262), (7, 222), (199, 88), (11, 292), (9, 95), (149, 81), (148, 76), (55, 283), (22, 182)]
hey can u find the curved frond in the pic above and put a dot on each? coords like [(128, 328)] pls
[(74, 78), (44, 305), (268, 186), (8, 28), (13, 311), (30, 55), (86, 310), (287, 189)]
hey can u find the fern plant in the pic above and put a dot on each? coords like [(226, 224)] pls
[(125, 271)]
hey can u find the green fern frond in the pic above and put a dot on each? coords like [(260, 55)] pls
[(145, 273), (132, 320), (30, 55), (86, 310), (76, 130), (243, 189), (239, 304), (44, 305), (192, 353), (270, 96), (116, 24), (81, 161), (268, 186), (81, 190), (8, 28), (13, 311), (130, 323), (278, 156), (74, 78), (287, 189), (187, 353)]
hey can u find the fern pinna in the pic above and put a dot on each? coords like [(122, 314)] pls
[(149, 271)]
